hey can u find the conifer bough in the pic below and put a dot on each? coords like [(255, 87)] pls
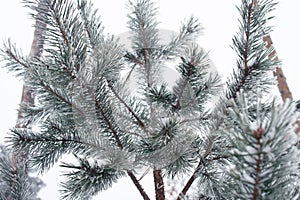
[(241, 147)]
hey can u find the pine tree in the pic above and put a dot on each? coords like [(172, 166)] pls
[(240, 146)]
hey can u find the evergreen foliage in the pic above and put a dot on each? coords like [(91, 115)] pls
[(240, 146), (15, 182)]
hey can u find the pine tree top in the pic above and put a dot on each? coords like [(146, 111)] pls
[(240, 146)]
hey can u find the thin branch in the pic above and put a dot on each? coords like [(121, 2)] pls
[(194, 175), (190, 181), (59, 24), (56, 140), (257, 134), (139, 121), (50, 90), (247, 69), (108, 123), (247, 33), (138, 185), (68, 72), (63, 32), (130, 174), (14, 57)]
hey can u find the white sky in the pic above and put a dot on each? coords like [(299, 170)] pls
[(219, 18)]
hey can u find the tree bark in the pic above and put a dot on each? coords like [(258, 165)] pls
[(281, 79), (282, 85), (35, 51), (138, 185), (27, 95), (159, 185)]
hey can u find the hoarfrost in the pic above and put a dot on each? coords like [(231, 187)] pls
[(251, 150), (247, 178), (249, 159), (253, 126)]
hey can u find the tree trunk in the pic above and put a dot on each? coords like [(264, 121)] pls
[(27, 95), (282, 85), (35, 51), (159, 185), (281, 80)]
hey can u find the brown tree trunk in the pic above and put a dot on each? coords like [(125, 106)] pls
[(282, 85), (281, 80), (35, 51), (27, 95), (158, 185)]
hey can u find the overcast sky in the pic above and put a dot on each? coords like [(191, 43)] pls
[(218, 17)]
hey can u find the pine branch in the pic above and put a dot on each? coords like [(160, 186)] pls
[(143, 25), (109, 124), (120, 145), (195, 84), (41, 82), (194, 176), (15, 62), (58, 33), (187, 34), (139, 121), (247, 33), (16, 178), (60, 97), (47, 147), (54, 10), (92, 22), (187, 75), (254, 62), (254, 143), (89, 177)]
